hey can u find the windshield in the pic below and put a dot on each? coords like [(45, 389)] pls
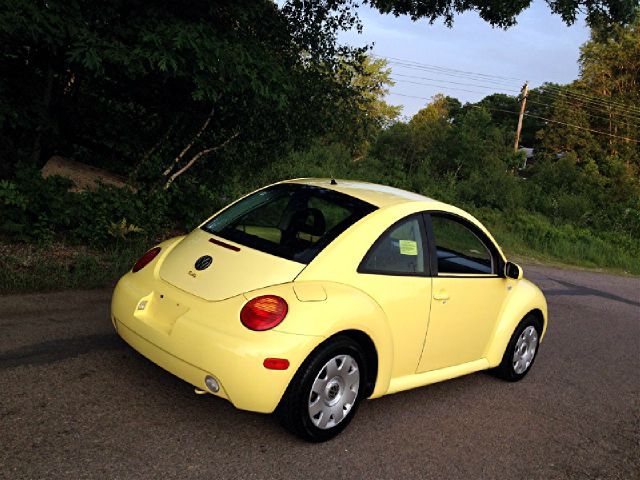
[(289, 220)]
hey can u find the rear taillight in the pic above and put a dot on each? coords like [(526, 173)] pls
[(145, 259), (263, 313)]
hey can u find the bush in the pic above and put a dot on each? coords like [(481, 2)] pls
[(33, 208), (38, 210), (492, 188), (534, 235)]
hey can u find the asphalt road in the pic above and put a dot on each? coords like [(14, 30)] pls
[(76, 402)]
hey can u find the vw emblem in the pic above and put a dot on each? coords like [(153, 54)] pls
[(203, 262)]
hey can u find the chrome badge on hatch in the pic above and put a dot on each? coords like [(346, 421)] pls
[(203, 262)]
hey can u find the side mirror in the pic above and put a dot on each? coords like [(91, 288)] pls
[(513, 270)]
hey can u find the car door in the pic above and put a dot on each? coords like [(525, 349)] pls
[(467, 293), (395, 272)]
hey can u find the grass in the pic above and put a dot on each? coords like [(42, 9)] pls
[(533, 237), (523, 236), (31, 268)]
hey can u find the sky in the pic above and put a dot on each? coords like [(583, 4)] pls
[(539, 48)]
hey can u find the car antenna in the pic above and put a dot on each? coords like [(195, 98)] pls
[(333, 181)]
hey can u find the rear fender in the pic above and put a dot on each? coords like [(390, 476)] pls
[(344, 308), (151, 273)]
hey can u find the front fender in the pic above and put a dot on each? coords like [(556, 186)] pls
[(524, 298), (344, 308)]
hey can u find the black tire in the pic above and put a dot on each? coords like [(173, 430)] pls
[(293, 410), (506, 369)]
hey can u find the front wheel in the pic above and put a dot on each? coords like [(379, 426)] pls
[(325, 392), (521, 351)]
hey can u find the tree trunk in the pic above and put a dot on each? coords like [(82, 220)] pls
[(196, 157), (151, 151), (45, 118), (184, 151)]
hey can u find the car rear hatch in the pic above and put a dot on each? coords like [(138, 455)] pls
[(233, 269)]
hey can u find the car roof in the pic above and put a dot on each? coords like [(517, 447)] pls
[(373, 193)]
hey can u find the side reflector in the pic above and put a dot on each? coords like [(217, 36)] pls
[(276, 363)]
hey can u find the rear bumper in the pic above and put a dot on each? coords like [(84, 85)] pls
[(192, 338), (189, 373)]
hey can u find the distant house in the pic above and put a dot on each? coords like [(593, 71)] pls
[(528, 155)]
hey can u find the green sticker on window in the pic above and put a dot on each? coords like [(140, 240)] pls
[(408, 247)]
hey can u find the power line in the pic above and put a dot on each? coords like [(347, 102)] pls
[(554, 92), (591, 114), (442, 86), (476, 78), (450, 81), (533, 116), (528, 100), (408, 96), (450, 71), (553, 96), (588, 98), (619, 114), (599, 107), (561, 123), (439, 67), (551, 90)]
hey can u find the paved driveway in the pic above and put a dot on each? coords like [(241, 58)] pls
[(76, 402)]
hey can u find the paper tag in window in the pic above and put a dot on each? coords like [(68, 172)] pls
[(408, 247)]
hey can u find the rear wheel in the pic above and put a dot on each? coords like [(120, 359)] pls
[(521, 351), (325, 392)]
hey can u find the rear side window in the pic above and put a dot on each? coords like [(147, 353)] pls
[(458, 248), (289, 220), (399, 251)]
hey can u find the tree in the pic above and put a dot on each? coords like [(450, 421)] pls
[(441, 109), (431, 127), (503, 13), (157, 87), (371, 78), (598, 116), (610, 70), (589, 161), (502, 108)]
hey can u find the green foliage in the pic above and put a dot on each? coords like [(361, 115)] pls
[(534, 236), (130, 84), (237, 95), (122, 229), (41, 210), (372, 79), (11, 196), (503, 13)]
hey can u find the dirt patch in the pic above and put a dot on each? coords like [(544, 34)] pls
[(84, 177)]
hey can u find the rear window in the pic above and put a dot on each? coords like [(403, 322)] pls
[(288, 220)]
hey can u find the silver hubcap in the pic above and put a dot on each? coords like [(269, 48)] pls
[(334, 391), (525, 350)]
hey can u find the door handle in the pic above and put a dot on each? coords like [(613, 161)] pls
[(442, 295)]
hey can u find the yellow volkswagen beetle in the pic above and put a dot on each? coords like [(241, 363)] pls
[(309, 295)]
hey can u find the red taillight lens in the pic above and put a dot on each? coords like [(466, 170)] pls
[(144, 260), (263, 313)]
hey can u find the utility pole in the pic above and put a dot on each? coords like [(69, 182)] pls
[(523, 93)]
